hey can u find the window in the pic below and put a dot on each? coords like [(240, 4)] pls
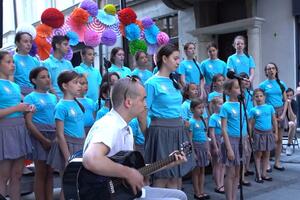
[(169, 25)]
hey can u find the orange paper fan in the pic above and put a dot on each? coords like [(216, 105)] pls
[(43, 30), (79, 16)]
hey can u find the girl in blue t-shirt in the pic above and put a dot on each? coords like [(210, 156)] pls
[(190, 92), (241, 61), (215, 134), (41, 125), (69, 121), (212, 66), (117, 62), (230, 121), (141, 67), (14, 138), (263, 122), (275, 91), (88, 104), (24, 62), (216, 89), (198, 135), (164, 108), (104, 96)]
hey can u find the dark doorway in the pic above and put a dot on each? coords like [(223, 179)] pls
[(225, 42)]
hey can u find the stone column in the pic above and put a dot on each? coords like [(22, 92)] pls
[(203, 40), (254, 47)]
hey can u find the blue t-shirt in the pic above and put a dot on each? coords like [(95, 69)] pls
[(215, 122), (163, 99), (94, 80), (263, 116), (89, 109), (143, 74), (23, 66), (197, 127), (102, 112), (55, 67), (210, 67), (231, 111), (122, 71), (214, 94), (191, 72), (186, 112), (248, 100), (70, 113), (136, 130), (10, 95), (45, 104), (240, 63), (273, 92)]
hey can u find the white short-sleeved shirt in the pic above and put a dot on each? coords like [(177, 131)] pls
[(112, 131)]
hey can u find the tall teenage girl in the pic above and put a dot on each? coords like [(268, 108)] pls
[(69, 122), (263, 122), (117, 61), (41, 125), (230, 121), (212, 66), (215, 134), (141, 67), (198, 131), (275, 89), (24, 62), (167, 130), (14, 137), (241, 61)]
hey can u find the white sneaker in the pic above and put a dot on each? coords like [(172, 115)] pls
[(289, 150)]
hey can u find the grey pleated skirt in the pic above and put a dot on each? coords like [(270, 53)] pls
[(201, 152), (55, 157), (216, 158), (162, 138), (14, 139), (38, 151), (263, 140), (234, 141)]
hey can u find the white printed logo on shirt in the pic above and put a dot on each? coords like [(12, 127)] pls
[(7, 90), (238, 60), (189, 66), (269, 86), (164, 88), (42, 101), (258, 112), (234, 112), (72, 112), (210, 66)]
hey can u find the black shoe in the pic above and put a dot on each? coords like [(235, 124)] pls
[(269, 170), (249, 173), (246, 183), (259, 180), (267, 178), (199, 198), (218, 190), (279, 168)]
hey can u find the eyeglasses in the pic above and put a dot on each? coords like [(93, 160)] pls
[(132, 80), (271, 68)]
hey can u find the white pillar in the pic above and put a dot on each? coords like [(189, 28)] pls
[(254, 47)]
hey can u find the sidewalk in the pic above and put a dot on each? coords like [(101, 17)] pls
[(285, 185)]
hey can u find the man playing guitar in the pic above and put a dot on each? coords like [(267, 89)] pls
[(111, 134)]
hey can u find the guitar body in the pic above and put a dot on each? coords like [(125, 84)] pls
[(93, 186)]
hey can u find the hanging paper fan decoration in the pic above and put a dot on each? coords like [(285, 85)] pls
[(91, 38), (96, 26), (109, 37), (73, 38), (162, 38), (33, 50), (49, 39), (79, 16), (27, 28), (105, 18), (110, 9), (79, 29), (116, 28), (53, 17), (43, 30), (43, 47), (122, 27), (151, 34), (127, 16), (132, 32), (90, 6), (147, 22), (137, 45)]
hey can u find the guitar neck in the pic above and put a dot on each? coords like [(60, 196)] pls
[(150, 169)]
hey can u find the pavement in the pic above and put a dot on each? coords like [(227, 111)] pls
[(285, 185)]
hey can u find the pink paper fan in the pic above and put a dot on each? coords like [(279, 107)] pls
[(79, 29), (96, 26)]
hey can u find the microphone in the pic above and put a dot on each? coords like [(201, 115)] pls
[(107, 63), (233, 75)]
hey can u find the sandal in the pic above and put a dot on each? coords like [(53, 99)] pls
[(218, 190), (259, 180), (279, 168), (205, 196), (267, 178)]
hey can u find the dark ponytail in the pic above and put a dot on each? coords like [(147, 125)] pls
[(282, 88)]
